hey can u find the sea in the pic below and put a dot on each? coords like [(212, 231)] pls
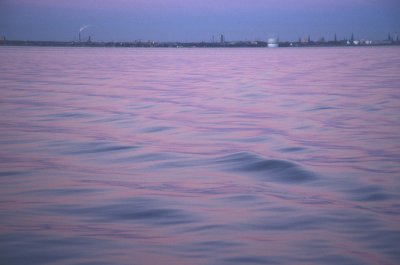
[(199, 156)]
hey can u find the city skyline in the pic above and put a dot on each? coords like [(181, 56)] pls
[(175, 20)]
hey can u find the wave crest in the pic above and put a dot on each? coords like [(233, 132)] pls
[(267, 169)]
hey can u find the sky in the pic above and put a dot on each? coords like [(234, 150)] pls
[(197, 20)]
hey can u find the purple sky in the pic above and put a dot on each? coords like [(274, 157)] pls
[(190, 20)]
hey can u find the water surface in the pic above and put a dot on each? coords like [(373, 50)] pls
[(199, 156)]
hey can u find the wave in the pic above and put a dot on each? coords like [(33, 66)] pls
[(267, 169)]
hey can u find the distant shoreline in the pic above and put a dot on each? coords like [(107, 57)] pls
[(233, 44)]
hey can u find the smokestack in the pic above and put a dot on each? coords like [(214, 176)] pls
[(82, 29)]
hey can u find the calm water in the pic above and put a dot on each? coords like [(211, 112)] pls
[(199, 156)]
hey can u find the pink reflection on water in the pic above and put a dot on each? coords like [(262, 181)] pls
[(188, 156)]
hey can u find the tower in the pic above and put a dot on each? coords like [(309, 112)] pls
[(222, 38), (335, 38), (273, 43)]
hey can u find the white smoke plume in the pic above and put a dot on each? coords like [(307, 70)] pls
[(83, 28)]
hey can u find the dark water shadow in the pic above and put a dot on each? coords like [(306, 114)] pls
[(368, 194), (97, 147), (250, 260), (139, 210), (21, 248)]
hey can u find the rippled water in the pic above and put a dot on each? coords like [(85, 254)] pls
[(200, 156)]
